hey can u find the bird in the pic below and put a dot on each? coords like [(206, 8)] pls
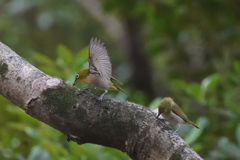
[(172, 113), (99, 73)]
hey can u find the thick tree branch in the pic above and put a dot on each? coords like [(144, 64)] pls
[(78, 114)]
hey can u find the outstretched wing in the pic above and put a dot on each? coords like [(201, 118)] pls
[(99, 61)]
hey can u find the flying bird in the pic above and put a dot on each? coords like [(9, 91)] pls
[(99, 73)]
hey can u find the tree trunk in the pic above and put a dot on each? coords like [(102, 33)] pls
[(79, 115)]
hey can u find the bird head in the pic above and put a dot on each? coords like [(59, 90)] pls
[(165, 105), (81, 76)]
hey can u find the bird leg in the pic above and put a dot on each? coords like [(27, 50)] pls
[(175, 132), (101, 97)]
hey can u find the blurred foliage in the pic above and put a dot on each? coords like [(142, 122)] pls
[(193, 48)]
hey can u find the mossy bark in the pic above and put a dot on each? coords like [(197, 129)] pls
[(79, 114)]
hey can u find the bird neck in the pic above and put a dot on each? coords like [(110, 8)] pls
[(83, 73)]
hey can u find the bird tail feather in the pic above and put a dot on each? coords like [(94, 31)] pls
[(117, 87), (192, 124)]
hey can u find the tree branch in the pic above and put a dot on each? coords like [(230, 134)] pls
[(79, 115)]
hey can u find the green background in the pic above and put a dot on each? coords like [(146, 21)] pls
[(191, 49)]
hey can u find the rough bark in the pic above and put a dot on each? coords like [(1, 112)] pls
[(79, 115)]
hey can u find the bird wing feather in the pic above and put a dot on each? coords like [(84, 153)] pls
[(114, 79), (177, 110), (99, 61)]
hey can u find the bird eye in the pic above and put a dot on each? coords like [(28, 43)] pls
[(77, 75)]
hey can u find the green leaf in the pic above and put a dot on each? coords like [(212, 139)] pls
[(40, 58), (155, 103), (17, 126), (80, 59), (238, 134), (210, 82), (191, 89), (236, 66), (195, 133), (38, 153), (179, 83), (83, 53), (84, 151), (31, 132), (64, 54), (194, 90), (51, 71)]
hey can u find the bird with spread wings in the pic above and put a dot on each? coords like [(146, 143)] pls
[(99, 73)]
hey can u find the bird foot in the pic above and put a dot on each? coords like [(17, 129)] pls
[(161, 119), (174, 133), (101, 97), (71, 137), (86, 89), (164, 120)]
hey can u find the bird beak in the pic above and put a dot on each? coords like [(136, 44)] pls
[(75, 82)]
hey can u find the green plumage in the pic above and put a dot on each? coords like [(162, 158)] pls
[(173, 113), (177, 110)]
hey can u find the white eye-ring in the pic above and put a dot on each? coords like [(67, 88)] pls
[(77, 75)]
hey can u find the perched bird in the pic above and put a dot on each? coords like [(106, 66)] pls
[(99, 73), (171, 112)]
